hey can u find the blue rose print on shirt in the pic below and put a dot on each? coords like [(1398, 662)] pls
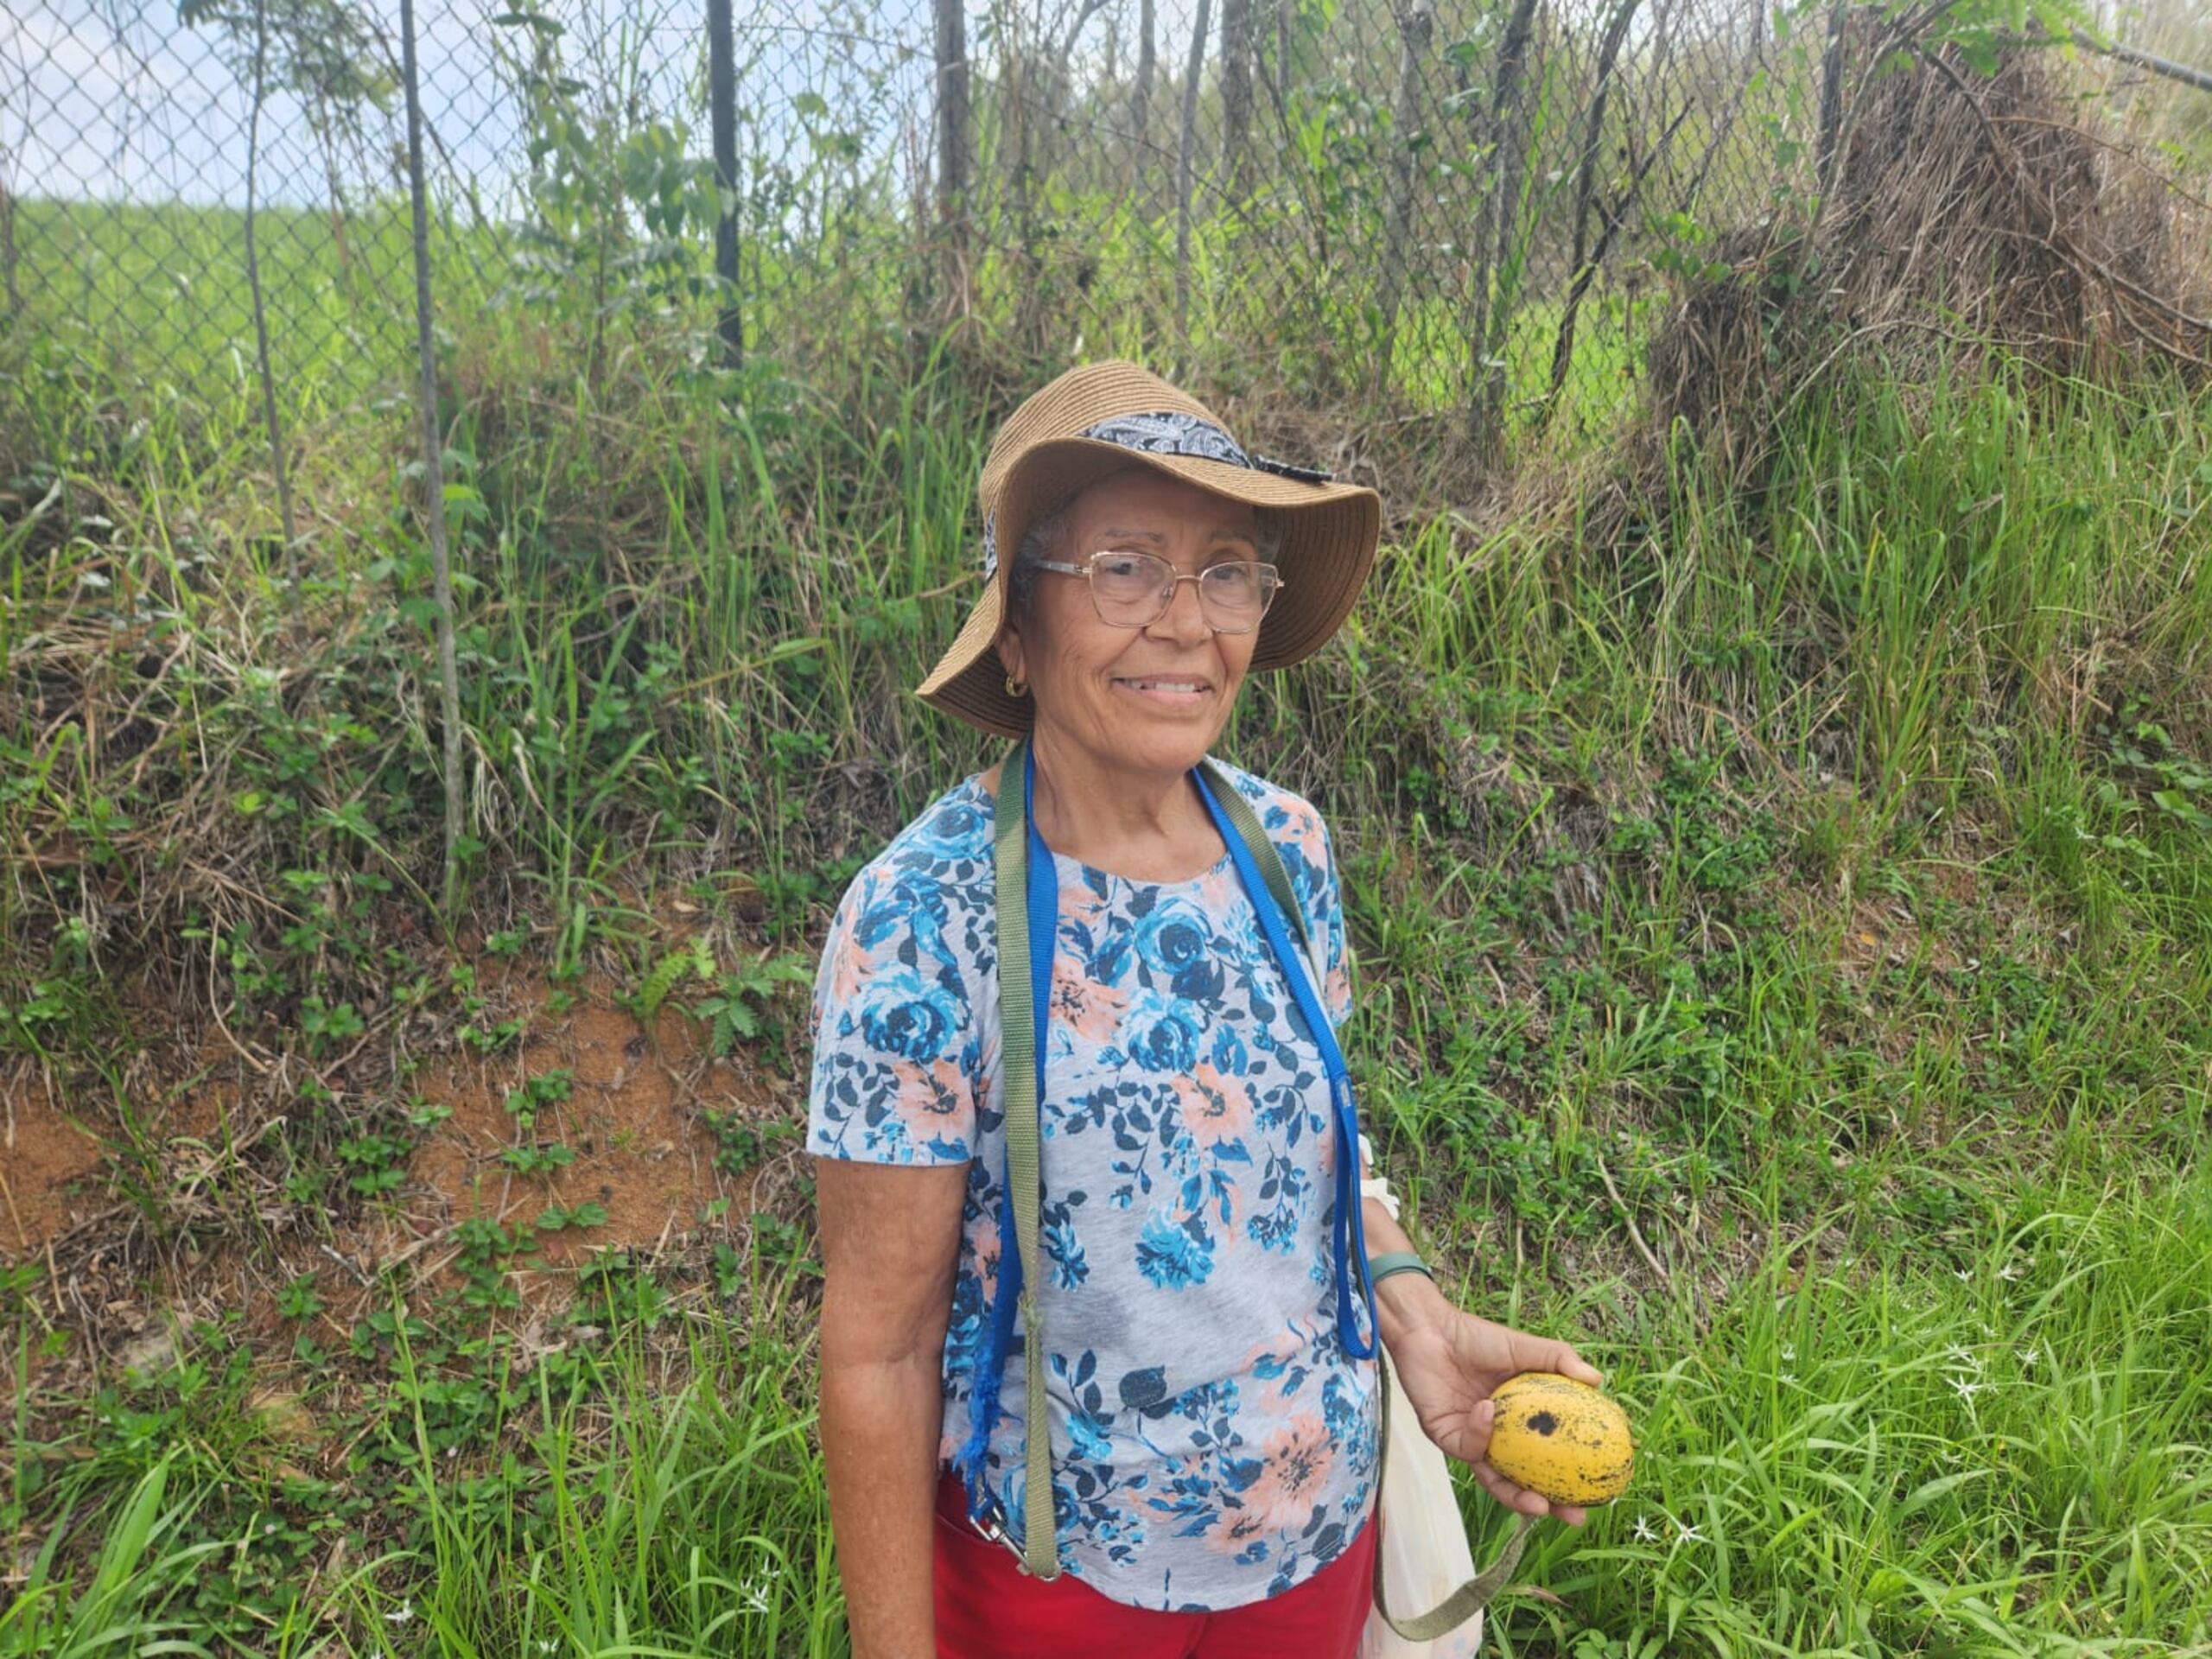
[(903, 1014), (1159, 1034), (1174, 1254)]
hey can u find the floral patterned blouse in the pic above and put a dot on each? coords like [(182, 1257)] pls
[(1212, 1443)]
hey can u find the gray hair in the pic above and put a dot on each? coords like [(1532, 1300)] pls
[(1047, 536)]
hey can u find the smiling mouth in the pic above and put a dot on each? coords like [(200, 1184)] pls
[(1167, 685)]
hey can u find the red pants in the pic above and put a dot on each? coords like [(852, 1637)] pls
[(988, 1608)]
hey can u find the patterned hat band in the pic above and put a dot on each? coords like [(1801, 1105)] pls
[(1168, 432)]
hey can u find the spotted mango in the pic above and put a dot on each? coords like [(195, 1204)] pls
[(1561, 1438)]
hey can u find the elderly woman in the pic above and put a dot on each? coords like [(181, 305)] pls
[(1098, 1328)]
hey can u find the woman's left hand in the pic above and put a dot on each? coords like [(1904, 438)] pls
[(1451, 1363)]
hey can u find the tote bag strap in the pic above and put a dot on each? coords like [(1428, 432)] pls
[(1470, 1598)]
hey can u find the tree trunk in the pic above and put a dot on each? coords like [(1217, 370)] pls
[(1585, 185), (1141, 93), (1236, 95), (1022, 104), (433, 488), (1185, 169), (1831, 96), (1486, 409), (953, 147), (1416, 25)]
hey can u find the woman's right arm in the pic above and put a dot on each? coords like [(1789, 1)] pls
[(890, 1240)]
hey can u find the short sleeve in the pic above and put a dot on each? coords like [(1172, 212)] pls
[(895, 1069)]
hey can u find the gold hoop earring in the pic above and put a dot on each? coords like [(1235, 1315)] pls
[(1016, 688)]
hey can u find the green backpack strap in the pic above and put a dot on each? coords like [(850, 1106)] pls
[(1260, 845), (1018, 1023)]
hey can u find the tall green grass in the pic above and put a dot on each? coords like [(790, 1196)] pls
[(1856, 1449), (1807, 870)]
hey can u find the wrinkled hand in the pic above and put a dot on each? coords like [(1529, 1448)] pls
[(1450, 1369)]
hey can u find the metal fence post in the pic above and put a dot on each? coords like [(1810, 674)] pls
[(722, 95), (268, 376), (8, 285)]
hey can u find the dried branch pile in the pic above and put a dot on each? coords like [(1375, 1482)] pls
[(1965, 210)]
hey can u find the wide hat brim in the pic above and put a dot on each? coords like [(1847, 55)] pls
[(1330, 532)]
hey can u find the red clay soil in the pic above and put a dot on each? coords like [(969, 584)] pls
[(49, 1170), (54, 1151), (635, 1118)]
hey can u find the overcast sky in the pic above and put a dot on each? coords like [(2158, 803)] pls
[(116, 99)]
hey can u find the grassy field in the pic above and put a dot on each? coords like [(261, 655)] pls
[(1784, 909)]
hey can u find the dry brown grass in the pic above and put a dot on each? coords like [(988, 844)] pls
[(1970, 215)]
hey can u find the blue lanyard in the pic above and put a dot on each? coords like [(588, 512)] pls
[(1348, 1234)]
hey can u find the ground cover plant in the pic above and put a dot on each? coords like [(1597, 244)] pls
[(1779, 873)]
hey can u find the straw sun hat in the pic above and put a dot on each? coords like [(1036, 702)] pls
[(1098, 419)]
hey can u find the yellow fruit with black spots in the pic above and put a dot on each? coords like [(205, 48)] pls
[(1561, 1438)]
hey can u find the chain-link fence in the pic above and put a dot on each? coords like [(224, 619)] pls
[(1447, 205)]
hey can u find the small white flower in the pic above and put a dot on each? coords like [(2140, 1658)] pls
[(1965, 1389), (753, 1593), (2027, 1357), (547, 1644), (2009, 1272), (1963, 1357), (1962, 1273), (1788, 1378), (1642, 1530), (268, 1526), (1687, 1533), (406, 1612), (1789, 1350)]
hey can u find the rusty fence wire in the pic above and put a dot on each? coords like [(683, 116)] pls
[(1467, 205)]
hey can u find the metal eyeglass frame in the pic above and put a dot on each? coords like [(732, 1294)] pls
[(1177, 579)]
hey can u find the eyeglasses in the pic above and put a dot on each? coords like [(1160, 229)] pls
[(1133, 590)]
